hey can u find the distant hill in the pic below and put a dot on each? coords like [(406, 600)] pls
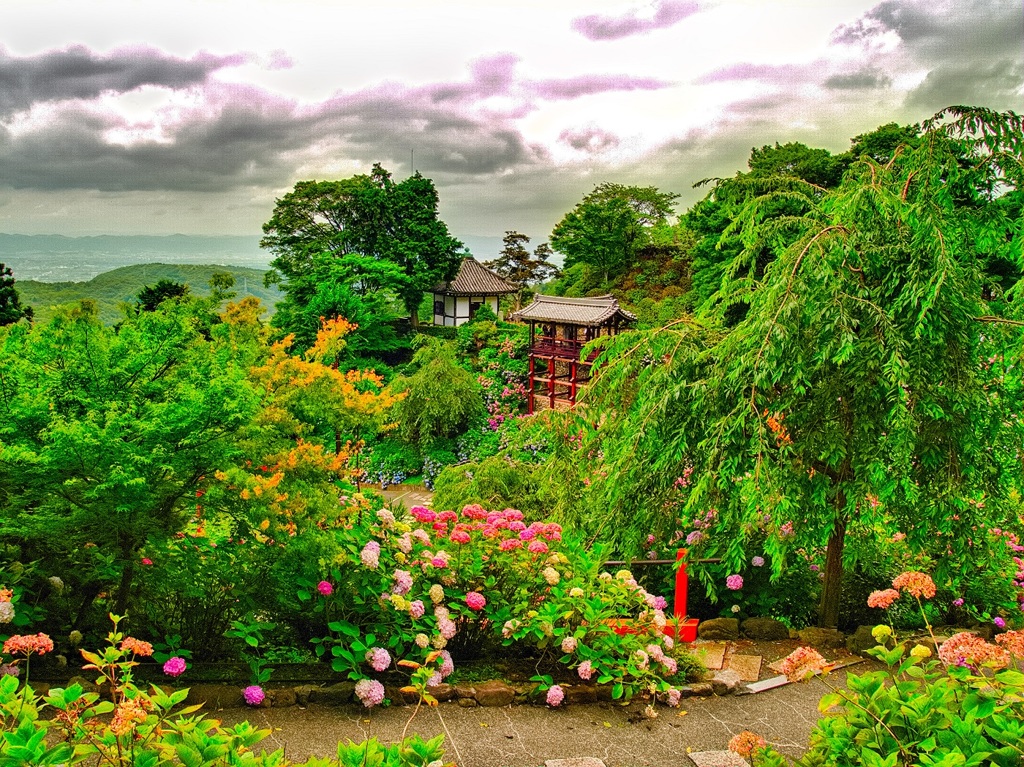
[(55, 258), (112, 288)]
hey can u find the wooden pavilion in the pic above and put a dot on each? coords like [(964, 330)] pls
[(456, 302), (559, 328)]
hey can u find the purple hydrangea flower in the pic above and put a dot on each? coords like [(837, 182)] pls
[(253, 694)]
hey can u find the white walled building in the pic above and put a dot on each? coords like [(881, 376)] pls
[(474, 286)]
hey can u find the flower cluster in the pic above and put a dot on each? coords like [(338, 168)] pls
[(27, 644), (734, 582), (175, 666), (802, 663), (137, 646), (370, 692), (747, 743), (883, 599), (129, 713), (916, 584), (378, 658), (253, 695), (968, 649), (555, 695)]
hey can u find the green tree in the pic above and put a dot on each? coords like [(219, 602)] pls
[(151, 296), (607, 228), (440, 399), (815, 166), (11, 309), (106, 436), (867, 386), (516, 265), (403, 246)]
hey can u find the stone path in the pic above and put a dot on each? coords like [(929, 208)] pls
[(407, 495)]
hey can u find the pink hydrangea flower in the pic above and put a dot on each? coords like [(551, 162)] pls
[(569, 644), (175, 666), (459, 536), (516, 526), (537, 547), (147, 561), (402, 582), (370, 692), (378, 658), (527, 534), (474, 511), (253, 694), (448, 516), (585, 670), (475, 600), (416, 609), (510, 543), (447, 664), (325, 588), (370, 555), (555, 695), (673, 697), (883, 599), (757, 561), (447, 628), (734, 582)]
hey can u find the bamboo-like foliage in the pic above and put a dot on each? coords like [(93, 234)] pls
[(868, 382)]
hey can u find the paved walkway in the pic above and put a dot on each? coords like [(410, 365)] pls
[(406, 495), (526, 736)]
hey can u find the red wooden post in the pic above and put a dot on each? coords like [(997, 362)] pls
[(532, 383), (682, 585)]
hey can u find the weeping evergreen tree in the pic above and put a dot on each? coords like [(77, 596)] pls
[(867, 384)]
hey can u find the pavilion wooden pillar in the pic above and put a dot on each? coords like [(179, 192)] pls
[(551, 381)]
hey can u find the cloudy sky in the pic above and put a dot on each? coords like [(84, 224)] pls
[(192, 117)]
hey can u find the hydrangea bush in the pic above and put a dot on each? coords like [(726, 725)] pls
[(151, 727), (436, 581)]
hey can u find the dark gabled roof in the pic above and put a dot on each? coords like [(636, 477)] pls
[(596, 310), (474, 279)]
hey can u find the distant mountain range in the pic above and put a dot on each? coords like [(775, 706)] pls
[(118, 286), (55, 258)]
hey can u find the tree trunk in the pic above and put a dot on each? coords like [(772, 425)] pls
[(831, 587), (124, 587)]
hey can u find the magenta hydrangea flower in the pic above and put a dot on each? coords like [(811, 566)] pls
[(734, 582), (370, 692), (325, 588), (378, 658), (423, 514), (475, 600), (253, 694), (585, 670), (958, 602), (175, 666), (555, 695), (527, 534), (1000, 623)]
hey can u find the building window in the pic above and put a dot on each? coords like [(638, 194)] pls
[(439, 306)]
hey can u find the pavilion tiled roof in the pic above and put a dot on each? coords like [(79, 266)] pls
[(474, 279), (592, 311)]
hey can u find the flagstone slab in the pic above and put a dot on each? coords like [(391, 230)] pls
[(747, 666), (579, 761), (711, 654)]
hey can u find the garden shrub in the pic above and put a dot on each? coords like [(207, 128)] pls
[(446, 581)]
